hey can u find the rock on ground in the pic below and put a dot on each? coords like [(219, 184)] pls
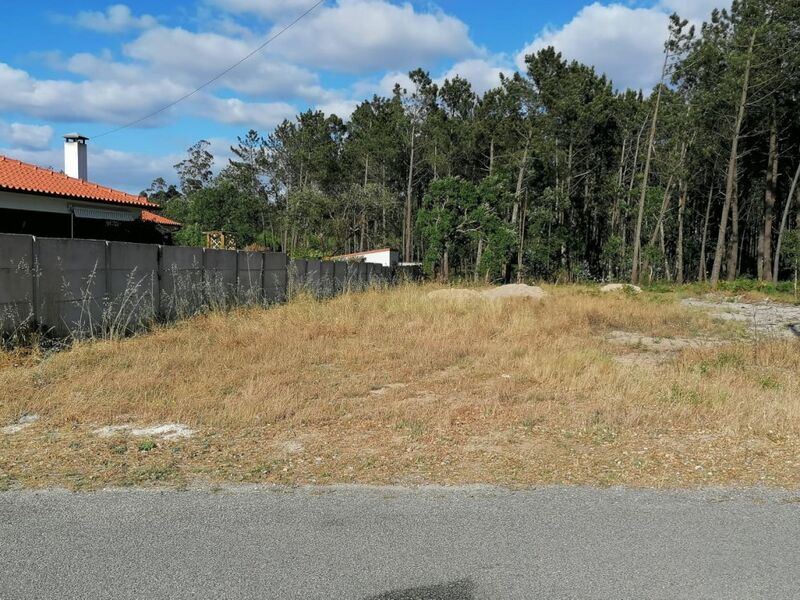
[(515, 290), (621, 287)]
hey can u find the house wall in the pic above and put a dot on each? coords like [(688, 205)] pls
[(46, 216), (52, 204), (385, 258)]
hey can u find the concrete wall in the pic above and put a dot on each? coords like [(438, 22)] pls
[(76, 287), (220, 269), (250, 277), (327, 280), (298, 268), (73, 283), (276, 277), (16, 280), (133, 281), (363, 274), (339, 277), (181, 273), (314, 276)]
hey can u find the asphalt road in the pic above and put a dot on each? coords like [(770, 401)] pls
[(396, 544)]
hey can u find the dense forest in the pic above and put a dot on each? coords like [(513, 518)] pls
[(554, 174)]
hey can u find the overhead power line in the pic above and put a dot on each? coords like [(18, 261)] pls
[(217, 77)]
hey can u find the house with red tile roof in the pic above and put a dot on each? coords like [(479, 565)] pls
[(46, 203)]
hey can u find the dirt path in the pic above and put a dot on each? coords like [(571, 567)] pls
[(765, 318)]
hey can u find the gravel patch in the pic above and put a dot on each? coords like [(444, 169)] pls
[(168, 431), (764, 318)]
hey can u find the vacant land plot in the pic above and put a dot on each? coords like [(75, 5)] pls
[(394, 386)]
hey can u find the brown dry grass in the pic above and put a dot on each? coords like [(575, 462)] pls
[(390, 387)]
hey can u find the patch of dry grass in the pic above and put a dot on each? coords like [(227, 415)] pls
[(391, 387)]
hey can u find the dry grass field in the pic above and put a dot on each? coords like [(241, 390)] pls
[(390, 386)]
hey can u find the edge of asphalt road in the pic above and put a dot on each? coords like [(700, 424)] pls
[(756, 494)]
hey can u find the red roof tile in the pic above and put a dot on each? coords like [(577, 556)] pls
[(23, 177), (158, 219)]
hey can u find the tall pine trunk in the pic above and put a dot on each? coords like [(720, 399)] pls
[(679, 277), (765, 248), (776, 268), (407, 223), (733, 163), (637, 237), (732, 263)]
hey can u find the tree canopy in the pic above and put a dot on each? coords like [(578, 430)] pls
[(552, 174)]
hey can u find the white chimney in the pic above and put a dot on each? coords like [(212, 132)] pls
[(75, 155)]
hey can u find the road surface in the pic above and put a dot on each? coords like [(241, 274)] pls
[(399, 544)]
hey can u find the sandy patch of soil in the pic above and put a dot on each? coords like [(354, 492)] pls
[(168, 431), (655, 351)]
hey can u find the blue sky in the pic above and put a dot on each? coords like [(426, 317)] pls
[(91, 66)]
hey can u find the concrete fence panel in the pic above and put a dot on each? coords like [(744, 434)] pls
[(314, 276), (327, 280), (17, 270), (220, 273), (181, 276), (363, 274), (298, 269), (133, 286), (353, 276), (276, 277), (339, 276), (250, 273), (73, 285), (374, 273)]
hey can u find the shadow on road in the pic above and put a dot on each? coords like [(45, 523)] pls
[(455, 590)]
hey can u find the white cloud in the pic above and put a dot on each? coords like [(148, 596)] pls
[(624, 43), (342, 108), (194, 58), (384, 86), (232, 111), (94, 101), (696, 11), (357, 36), (110, 101), (481, 73), (116, 18), (21, 135)]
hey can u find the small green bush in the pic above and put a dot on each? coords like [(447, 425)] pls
[(146, 445)]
